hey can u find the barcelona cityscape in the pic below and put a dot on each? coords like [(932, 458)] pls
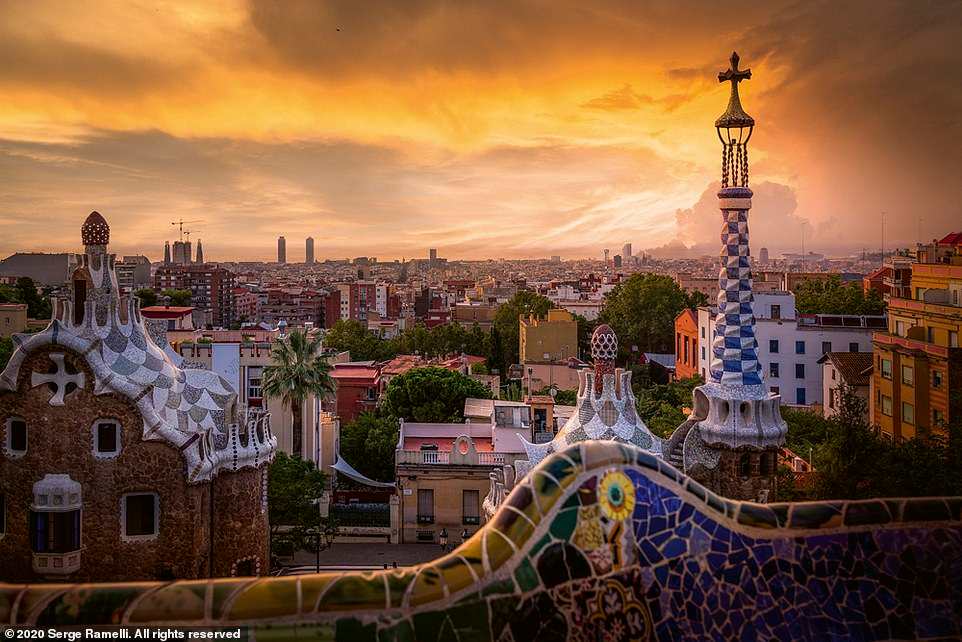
[(504, 321)]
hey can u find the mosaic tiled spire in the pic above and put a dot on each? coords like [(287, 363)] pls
[(604, 349), (735, 348)]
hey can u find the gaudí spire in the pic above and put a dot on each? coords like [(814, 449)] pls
[(731, 440)]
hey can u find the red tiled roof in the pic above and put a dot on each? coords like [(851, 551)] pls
[(954, 238)]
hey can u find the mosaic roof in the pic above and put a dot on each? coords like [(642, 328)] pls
[(600, 541), (183, 406)]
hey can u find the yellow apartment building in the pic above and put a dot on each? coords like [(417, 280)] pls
[(13, 318), (554, 338), (917, 368)]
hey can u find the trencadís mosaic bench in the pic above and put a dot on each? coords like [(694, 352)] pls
[(600, 542)]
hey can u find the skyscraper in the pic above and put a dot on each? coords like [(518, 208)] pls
[(166, 252), (309, 250), (763, 256), (200, 251), (281, 249), (626, 253)]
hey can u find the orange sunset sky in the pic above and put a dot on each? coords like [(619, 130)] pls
[(486, 128)]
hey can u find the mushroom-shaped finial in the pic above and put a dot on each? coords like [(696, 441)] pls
[(604, 344), (95, 230)]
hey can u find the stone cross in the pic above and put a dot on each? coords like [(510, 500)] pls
[(60, 378), (734, 74)]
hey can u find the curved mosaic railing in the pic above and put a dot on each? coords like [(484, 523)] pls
[(601, 541)]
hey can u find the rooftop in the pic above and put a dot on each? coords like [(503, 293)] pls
[(855, 367)]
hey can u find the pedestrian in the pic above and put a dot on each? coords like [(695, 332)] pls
[(443, 539)]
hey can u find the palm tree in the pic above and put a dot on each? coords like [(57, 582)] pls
[(298, 371)]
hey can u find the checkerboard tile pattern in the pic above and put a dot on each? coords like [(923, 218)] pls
[(735, 349)]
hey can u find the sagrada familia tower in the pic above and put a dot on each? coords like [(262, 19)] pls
[(731, 439)]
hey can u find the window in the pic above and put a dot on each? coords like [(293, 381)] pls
[(908, 375), (470, 507), (703, 352), (773, 346), (908, 413), (685, 359), (16, 436), (900, 328), (767, 464), (953, 339), (745, 465), (799, 370), (831, 397), (938, 420), (936, 378), (703, 332), (773, 369), (425, 506), (886, 368), (254, 377), (776, 312), (55, 532), (774, 390), (800, 396), (3, 515), (853, 347), (799, 347), (106, 438), (826, 347), (140, 515), (833, 374), (886, 405), (372, 393)]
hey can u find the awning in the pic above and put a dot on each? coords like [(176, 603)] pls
[(348, 471)]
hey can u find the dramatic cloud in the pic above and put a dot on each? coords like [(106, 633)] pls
[(485, 128)]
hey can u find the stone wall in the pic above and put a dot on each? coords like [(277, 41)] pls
[(240, 523), (601, 541)]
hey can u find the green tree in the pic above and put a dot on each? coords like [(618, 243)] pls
[(431, 394), (642, 311), (178, 298), (561, 397), (660, 406), (507, 323), (834, 297), (294, 486), (297, 371), (38, 305), (368, 444), (353, 336), (147, 297), (6, 351), (586, 328)]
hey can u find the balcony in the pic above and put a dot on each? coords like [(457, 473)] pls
[(438, 457), (894, 341), (56, 563)]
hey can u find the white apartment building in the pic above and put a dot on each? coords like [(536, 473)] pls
[(790, 345)]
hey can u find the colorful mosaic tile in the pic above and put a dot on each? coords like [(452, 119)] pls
[(598, 543)]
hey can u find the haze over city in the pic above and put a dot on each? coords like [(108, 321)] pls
[(487, 129)]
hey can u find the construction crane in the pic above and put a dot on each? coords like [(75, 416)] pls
[(180, 225)]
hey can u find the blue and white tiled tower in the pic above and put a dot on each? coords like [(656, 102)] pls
[(731, 439)]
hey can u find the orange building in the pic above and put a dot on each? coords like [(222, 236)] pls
[(918, 362), (686, 344)]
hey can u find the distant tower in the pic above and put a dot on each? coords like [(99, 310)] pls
[(166, 252), (732, 439), (200, 251), (626, 252), (617, 260), (281, 249), (309, 250), (763, 256), (606, 257)]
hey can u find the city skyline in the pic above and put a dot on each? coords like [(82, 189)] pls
[(457, 136)]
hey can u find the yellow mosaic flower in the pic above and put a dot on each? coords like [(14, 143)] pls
[(616, 494)]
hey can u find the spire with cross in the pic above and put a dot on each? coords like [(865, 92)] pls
[(735, 115)]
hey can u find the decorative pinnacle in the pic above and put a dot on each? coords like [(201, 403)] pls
[(604, 349), (735, 115)]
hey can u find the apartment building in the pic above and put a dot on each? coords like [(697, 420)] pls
[(790, 345), (553, 338), (211, 288), (917, 376)]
